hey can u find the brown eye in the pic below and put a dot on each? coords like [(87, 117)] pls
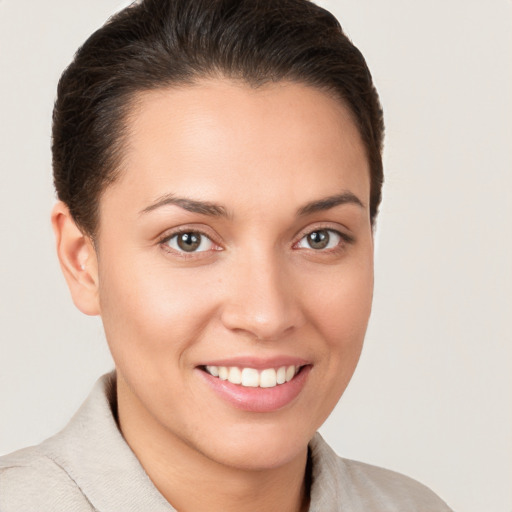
[(190, 241), (320, 239)]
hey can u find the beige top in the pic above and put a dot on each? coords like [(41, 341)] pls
[(89, 467)]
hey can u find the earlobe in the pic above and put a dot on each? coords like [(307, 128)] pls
[(78, 261)]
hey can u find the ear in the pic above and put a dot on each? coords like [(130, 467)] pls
[(78, 260)]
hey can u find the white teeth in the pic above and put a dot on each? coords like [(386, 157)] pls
[(213, 370), (252, 378), (235, 375), (268, 378), (281, 375)]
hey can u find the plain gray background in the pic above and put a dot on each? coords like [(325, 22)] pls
[(432, 396)]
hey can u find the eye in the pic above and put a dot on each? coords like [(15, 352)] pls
[(189, 241), (320, 239)]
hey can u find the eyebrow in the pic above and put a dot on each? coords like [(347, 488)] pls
[(217, 210), (329, 202), (191, 205)]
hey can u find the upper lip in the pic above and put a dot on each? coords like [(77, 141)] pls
[(258, 363)]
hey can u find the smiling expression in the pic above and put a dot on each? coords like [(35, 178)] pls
[(236, 244)]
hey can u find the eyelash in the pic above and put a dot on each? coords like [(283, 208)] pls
[(344, 240), (163, 242)]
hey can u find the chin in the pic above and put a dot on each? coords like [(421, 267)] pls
[(254, 448)]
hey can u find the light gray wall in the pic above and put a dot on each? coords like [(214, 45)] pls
[(432, 397)]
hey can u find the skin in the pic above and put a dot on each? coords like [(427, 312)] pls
[(259, 289)]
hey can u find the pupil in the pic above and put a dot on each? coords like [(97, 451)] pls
[(189, 241), (318, 239)]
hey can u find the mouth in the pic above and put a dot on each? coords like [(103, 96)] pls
[(252, 377), (261, 389)]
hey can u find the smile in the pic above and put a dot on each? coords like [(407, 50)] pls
[(253, 378), (256, 386)]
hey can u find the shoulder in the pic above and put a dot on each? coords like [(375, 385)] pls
[(397, 491), (30, 480), (363, 487)]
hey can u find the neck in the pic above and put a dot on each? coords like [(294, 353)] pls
[(178, 470)]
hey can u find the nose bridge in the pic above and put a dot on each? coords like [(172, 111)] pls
[(261, 301)]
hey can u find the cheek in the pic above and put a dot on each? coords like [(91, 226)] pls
[(340, 310), (149, 313), (340, 305)]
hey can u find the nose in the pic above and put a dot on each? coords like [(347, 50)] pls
[(262, 300)]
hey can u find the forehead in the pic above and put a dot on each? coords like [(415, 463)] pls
[(280, 139)]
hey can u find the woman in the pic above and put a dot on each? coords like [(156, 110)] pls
[(218, 168)]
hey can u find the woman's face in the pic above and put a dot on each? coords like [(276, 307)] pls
[(236, 241)]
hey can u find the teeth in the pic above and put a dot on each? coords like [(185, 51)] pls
[(268, 378), (235, 375), (213, 370), (252, 378)]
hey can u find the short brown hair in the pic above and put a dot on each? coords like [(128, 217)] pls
[(157, 43)]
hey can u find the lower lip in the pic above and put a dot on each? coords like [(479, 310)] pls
[(258, 399)]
